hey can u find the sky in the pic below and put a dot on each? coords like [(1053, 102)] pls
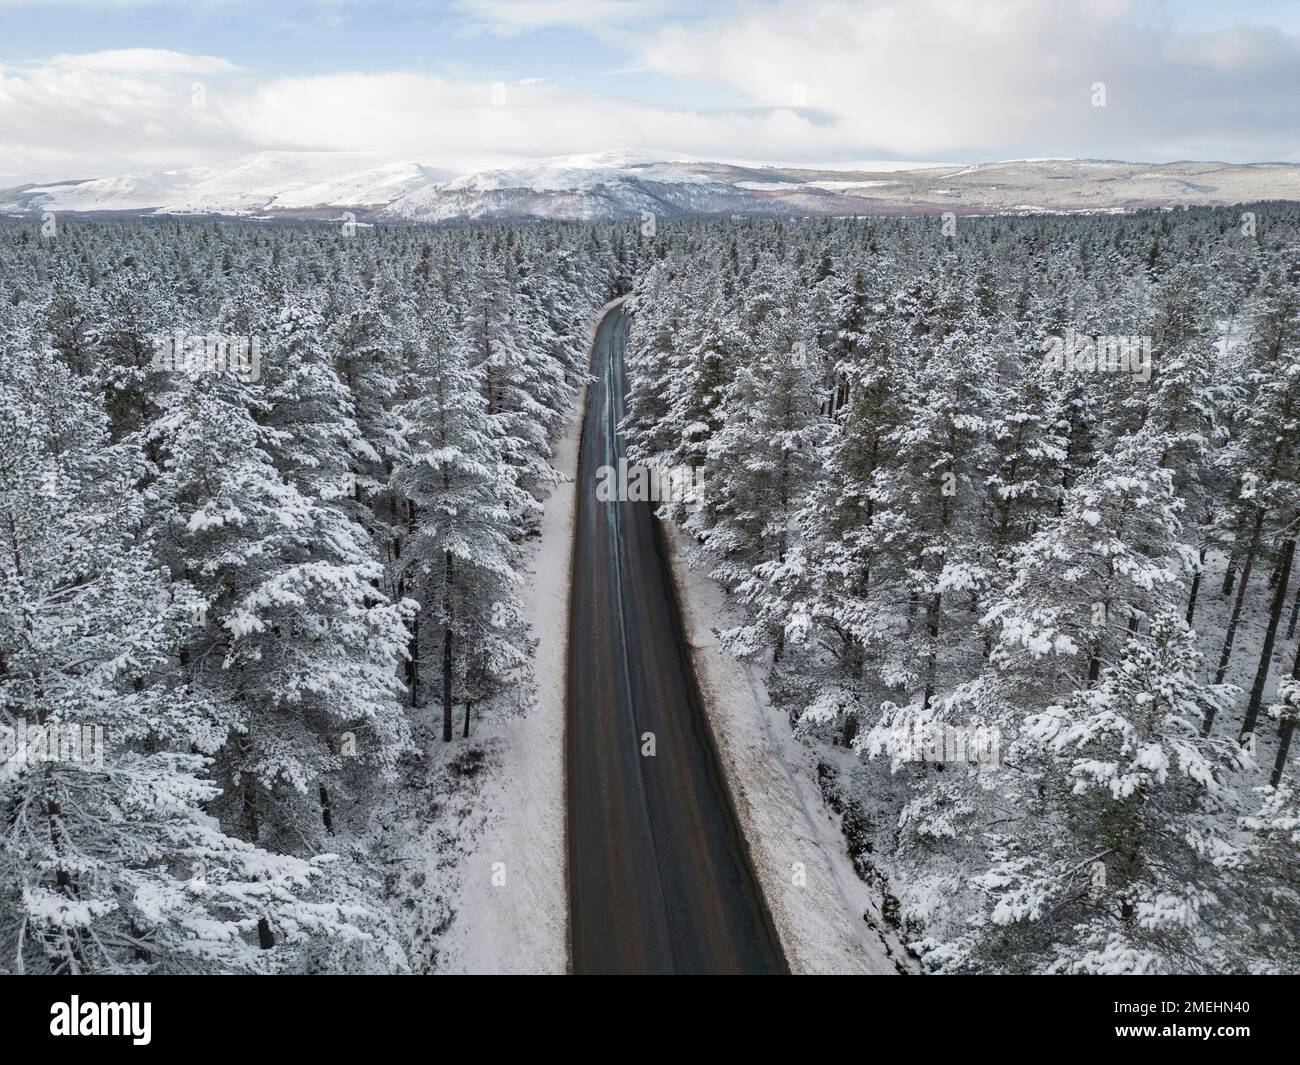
[(94, 88)]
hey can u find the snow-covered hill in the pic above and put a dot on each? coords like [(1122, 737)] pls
[(601, 186), (624, 184), (129, 192), (255, 184), (369, 188)]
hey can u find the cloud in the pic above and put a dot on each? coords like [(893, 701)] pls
[(104, 5), (434, 119), (876, 79), (69, 118), (145, 61), (1000, 76)]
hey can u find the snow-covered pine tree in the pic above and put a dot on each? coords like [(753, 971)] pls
[(1113, 870), (760, 465), (115, 864), (458, 559)]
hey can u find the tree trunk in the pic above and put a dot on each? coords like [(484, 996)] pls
[(1295, 614), (1229, 577), (1094, 666), (1234, 558), (448, 649), (933, 616), (247, 789), (1270, 637), (54, 811), (413, 662), (1196, 587), (469, 705), (1285, 729), (326, 810), (251, 820), (1231, 635)]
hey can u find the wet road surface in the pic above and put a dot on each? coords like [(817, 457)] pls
[(659, 877)]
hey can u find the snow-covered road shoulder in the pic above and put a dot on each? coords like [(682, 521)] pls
[(828, 919)]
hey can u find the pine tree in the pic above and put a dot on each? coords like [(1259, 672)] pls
[(1118, 874), (458, 559), (117, 865), (760, 464)]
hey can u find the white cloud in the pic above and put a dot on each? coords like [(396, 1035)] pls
[(145, 61), (981, 79), (426, 117), (938, 79), (102, 5), (65, 119)]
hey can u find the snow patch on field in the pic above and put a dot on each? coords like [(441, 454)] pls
[(831, 923), (840, 186), (769, 186)]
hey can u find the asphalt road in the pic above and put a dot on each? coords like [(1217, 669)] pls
[(659, 876)]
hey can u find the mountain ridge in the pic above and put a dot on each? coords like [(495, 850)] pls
[(623, 184)]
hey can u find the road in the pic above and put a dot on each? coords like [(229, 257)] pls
[(659, 876)]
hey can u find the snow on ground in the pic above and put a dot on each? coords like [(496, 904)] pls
[(574, 172), (769, 186), (839, 186), (831, 922), (1213, 610), (372, 187), (514, 914)]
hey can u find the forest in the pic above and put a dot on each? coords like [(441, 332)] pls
[(1008, 507), (264, 579), (1032, 478)]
